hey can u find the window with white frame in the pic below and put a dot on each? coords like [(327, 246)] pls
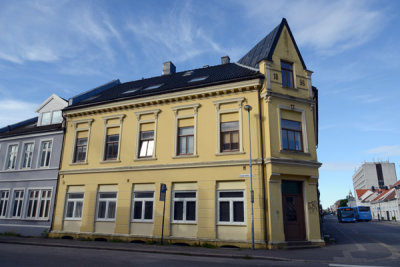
[(45, 154), (184, 206), (4, 195), (51, 117), (143, 206), (11, 157), (146, 144), (74, 206), (39, 203), (27, 156), (106, 206), (231, 207), (146, 135), (80, 149), (185, 140), (18, 202)]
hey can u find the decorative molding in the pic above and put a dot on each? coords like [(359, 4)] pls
[(30, 135), (269, 94), (303, 163)]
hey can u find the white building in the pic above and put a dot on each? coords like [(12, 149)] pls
[(374, 174)]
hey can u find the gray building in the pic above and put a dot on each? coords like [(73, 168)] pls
[(29, 162), (374, 174)]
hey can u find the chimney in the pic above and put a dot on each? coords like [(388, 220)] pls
[(168, 68), (225, 60)]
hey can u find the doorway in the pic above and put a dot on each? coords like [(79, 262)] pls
[(293, 211)]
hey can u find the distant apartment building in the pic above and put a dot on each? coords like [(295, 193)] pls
[(29, 159), (374, 174)]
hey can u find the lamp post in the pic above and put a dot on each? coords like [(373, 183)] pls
[(249, 108)]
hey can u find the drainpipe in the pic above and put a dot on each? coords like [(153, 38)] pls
[(262, 167)]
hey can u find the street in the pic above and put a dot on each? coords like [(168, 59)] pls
[(357, 244)]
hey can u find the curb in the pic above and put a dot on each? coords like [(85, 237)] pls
[(197, 254)]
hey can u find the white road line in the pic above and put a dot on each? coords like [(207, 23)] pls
[(347, 265)]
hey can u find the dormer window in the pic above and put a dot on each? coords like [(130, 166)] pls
[(287, 74), (51, 117)]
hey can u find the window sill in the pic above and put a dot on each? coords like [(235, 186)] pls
[(290, 88), (185, 156), (72, 219), (106, 220), (295, 152), (110, 161), (143, 221), (78, 163), (144, 159), (229, 153), (188, 223), (232, 224)]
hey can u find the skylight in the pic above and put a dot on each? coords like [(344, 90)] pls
[(198, 79), (131, 90), (153, 86), (188, 73), (90, 98)]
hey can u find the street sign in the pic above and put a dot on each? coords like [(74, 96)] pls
[(163, 190), (244, 175)]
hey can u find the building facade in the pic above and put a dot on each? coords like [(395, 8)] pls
[(189, 132), (374, 174), (30, 154)]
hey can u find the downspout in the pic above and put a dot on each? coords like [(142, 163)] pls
[(262, 167)]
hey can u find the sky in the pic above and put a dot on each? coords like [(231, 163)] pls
[(67, 47)]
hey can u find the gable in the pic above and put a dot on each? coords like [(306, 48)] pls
[(52, 103)]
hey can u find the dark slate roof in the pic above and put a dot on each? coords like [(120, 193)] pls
[(169, 83), (27, 127), (266, 47)]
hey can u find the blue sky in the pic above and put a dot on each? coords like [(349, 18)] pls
[(66, 47)]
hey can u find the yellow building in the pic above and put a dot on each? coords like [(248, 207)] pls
[(190, 131)]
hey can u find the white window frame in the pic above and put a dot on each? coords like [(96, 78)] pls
[(184, 200), (74, 201), (303, 125), (22, 157), (6, 202), (143, 200), (106, 126), (8, 157), (76, 131), (21, 202), (193, 115), (48, 201), (39, 158), (239, 101), (139, 114), (107, 200), (51, 117), (231, 200)]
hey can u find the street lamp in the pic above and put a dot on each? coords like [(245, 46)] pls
[(249, 108)]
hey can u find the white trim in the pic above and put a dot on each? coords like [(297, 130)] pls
[(107, 200), (142, 200), (7, 157), (26, 225), (30, 170), (303, 125), (76, 130), (22, 156), (31, 135), (74, 200), (22, 205), (40, 189), (106, 126), (231, 200), (184, 200), (6, 206), (139, 123), (40, 152), (239, 101)]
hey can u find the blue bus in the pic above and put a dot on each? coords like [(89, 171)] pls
[(346, 214), (363, 213)]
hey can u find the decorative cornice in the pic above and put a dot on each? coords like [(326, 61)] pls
[(165, 166), (196, 93), (304, 163), (269, 94)]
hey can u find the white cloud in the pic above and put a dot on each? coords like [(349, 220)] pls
[(339, 166), (328, 27), (13, 111), (385, 151)]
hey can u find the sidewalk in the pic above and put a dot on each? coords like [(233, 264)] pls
[(260, 254)]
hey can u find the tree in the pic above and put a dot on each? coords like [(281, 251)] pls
[(343, 203)]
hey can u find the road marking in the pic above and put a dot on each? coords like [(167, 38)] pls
[(347, 265)]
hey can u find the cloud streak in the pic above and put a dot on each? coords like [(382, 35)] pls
[(20, 110), (385, 151)]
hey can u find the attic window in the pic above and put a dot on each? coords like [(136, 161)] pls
[(198, 79), (131, 90), (154, 86), (188, 73)]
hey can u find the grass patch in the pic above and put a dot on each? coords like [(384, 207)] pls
[(10, 234)]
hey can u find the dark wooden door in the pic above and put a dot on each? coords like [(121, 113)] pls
[(293, 211)]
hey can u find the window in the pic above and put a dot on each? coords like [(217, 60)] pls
[(106, 207), (231, 207), (11, 157), (46, 118), (185, 140), (57, 117), (229, 136), (184, 207), (146, 144), (292, 138), (51, 117), (74, 206), (18, 202), (39, 204), (80, 149), (112, 142), (287, 74), (198, 79), (27, 156), (45, 153), (4, 194), (143, 206)]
